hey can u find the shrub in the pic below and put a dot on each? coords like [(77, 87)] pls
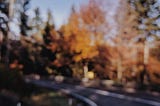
[(13, 81)]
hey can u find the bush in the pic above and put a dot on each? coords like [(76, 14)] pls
[(13, 81)]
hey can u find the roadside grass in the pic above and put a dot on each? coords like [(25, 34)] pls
[(44, 97), (13, 90)]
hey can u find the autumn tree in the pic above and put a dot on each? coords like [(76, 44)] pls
[(148, 13), (126, 34), (93, 17), (148, 16), (101, 63), (127, 23), (78, 39)]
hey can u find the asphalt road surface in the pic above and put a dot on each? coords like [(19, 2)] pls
[(98, 97)]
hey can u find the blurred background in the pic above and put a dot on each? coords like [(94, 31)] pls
[(114, 41)]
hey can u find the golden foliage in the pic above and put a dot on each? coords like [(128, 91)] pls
[(78, 38)]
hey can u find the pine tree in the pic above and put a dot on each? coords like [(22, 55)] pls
[(37, 21), (24, 27), (4, 15), (49, 30)]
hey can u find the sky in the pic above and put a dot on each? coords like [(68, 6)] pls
[(60, 8)]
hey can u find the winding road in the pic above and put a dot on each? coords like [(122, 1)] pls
[(96, 97)]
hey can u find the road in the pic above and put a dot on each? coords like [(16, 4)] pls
[(99, 97)]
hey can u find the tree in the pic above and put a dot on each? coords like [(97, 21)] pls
[(50, 19), (4, 8), (125, 39), (126, 22), (24, 27), (94, 20), (79, 40), (36, 22), (148, 13), (101, 63), (6, 15), (50, 33), (85, 32)]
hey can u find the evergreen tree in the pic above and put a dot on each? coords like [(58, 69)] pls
[(37, 21), (49, 30), (50, 18), (4, 13), (49, 39), (24, 27)]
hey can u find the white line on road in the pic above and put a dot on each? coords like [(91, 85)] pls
[(120, 96), (105, 93)]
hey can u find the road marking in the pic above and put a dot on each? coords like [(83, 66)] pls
[(120, 96), (101, 92)]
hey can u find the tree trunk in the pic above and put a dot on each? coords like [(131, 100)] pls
[(119, 70), (85, 68)]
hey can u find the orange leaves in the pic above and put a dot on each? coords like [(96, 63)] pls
[(54, 34), (93, 18), (126, 19), (92, 14), (78, 38), (53, 46), (80, 42), (83, 32), (15, 65), (86, 53)]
